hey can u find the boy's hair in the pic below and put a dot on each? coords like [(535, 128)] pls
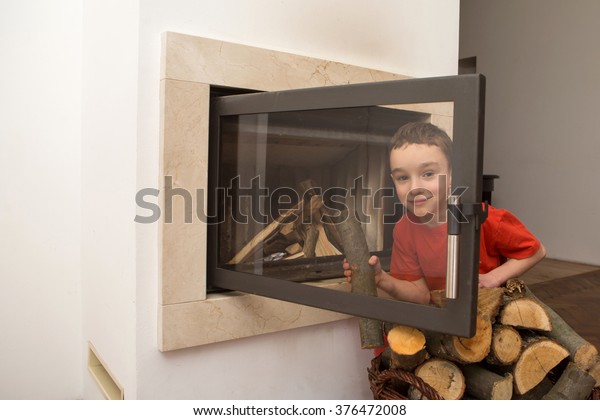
[(423, 133)]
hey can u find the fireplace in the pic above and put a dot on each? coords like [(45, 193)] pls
[(206, 295)]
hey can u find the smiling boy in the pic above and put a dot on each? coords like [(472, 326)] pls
[(420, 159)]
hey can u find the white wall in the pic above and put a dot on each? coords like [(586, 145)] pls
[(80, 83), (418, 38), (109, 159), (542, 65), (40, 193)]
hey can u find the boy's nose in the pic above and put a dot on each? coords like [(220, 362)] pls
[(415, 183)]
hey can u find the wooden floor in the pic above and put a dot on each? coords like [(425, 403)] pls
[(549, 269), (573, 291)]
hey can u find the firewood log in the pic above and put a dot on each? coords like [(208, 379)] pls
[(442, 375), (486, 385), (461, 349), (357, 254), (537, 392), (582, 353), (525, 312), (506, 345), (293, 248), (275, 243), (595, 372), (489, 301), (324, 247), (310, 241), (573, 384), (290, 232), (539, 356), (330, 230), (271, 229), (406, 348)]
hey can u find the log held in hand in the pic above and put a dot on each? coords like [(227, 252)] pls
[(357, 254)]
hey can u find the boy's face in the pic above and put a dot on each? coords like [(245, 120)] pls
[(416, 171)]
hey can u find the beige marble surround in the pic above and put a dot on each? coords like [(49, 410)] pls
[(187, 316)]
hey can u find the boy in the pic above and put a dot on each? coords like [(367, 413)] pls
[(420, 159)]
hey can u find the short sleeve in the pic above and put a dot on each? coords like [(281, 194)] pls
[(513, 239)]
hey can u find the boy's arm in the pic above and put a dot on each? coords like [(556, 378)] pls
[(510, 269), (410, 291)]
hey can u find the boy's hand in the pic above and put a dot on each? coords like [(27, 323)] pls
[(489, 280), (373, 262)]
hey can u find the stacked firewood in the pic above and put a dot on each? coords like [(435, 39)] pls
[(522, 349), (304, 231)]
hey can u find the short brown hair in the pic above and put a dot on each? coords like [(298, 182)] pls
[(423, 133)]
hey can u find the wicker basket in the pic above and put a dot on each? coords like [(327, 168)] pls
[(390, 384)]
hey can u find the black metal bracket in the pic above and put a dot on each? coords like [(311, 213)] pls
[(478, 210)]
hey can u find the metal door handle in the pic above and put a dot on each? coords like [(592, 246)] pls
[(453, 247)]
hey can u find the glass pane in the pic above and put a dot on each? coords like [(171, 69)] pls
[(284, 177)]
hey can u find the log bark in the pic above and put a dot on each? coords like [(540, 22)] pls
[(573, 384), (442, 375), (538, 357), (406, 348), (486, 385), (461, 349), (537, 392), (506, 345), (582, 353), (525, 313), (310, 242), (356, 251)]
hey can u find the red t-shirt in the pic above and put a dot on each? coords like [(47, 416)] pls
[(420, 251)]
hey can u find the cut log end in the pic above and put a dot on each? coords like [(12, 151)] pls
[(585, 355), (442, 375), (476, 348), (405, 340), (525, 313), (539, 356), (506, 345), (406, 347), (489, 301)]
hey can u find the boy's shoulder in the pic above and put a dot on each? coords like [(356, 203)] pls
[(503, 217)]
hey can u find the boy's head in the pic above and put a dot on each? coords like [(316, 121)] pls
[(423, 133), (420, 159)]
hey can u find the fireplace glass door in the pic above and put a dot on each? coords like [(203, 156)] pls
[(287, 168)]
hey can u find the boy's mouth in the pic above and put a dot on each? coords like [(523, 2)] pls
[(418, 199)]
